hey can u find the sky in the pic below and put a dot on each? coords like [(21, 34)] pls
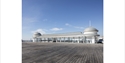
[(60, 16)]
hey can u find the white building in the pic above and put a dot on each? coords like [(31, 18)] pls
[(89, 35)]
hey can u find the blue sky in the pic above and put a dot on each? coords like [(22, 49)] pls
[(60, 16)]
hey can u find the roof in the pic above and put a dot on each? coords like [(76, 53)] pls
[(90, 29), (58, 34), (36, 34)]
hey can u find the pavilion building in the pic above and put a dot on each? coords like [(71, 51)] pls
[(89, 35)]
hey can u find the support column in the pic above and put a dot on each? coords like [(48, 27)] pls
[(68, 39), (56, 40), (52, 39), (82, 39), (41, 39), (93, 39), (44, 39), (47, 40), (33, 39), (75, 39), (85, 39), (64, 39), (96, 39), (72, 39), (38, 39), (60, 39), (78, 39)]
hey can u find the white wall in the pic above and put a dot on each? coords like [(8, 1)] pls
[(90, 32)]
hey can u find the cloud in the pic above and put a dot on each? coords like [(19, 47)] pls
[(56, 29), (68, 24), (42, 31), (79, 27), (29, 19), (74, 26)]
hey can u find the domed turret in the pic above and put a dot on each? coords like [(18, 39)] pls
[(90, 29), (37, 34)]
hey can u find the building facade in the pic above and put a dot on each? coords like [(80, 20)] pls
[(89, 35)]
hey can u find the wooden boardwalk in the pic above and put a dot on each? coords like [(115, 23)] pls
[(62, 53)]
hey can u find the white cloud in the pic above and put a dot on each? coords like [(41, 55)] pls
[(56, 29), (68, 24), (74, 26), (42, 31), (79, 27), (29, 19)]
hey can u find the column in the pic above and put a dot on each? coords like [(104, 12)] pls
[(48, 39), (52, 39), (72, 39), (56, 39), (82, 39), (78, 39), (44, 39), (85, 39), (75, 39), (90, 40), (93, 39), (96, 39), (64, 39), (68, 39), (41, 39), (60, 39), (33, 39), (38, 40)]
